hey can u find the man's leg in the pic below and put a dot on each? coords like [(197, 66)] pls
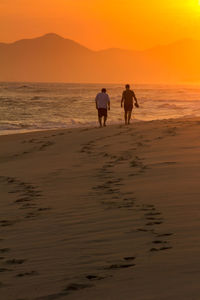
[(100, 121), (104, 122), (125, 116), (129, 116)]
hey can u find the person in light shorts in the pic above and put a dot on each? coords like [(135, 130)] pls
[(102, 101)]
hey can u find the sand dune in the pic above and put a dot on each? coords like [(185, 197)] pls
[(108, 213)]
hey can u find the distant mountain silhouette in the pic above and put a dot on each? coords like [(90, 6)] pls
[(53, 58)]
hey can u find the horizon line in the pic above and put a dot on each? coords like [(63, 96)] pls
[(106, 83)]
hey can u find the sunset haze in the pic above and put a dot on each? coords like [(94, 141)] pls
[(127, 24), (99, 134)]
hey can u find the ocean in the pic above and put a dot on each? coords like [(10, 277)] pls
[(28, 107)]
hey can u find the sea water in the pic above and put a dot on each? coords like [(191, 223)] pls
[(39, 106)]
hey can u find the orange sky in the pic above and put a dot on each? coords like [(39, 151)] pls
[(98, 24)]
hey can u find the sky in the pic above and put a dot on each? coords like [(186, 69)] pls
[(100, 24)]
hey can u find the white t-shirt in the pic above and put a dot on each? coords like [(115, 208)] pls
[(102, 100)]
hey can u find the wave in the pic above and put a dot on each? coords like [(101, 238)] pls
[(171, 106), (24, 87), (41, 98), (189, 116), (36, 98), (168, 100)]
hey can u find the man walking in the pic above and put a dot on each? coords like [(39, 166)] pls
[(127, 97), (102, 105)]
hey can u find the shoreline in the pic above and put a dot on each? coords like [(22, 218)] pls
[(121, 123), (89, 213)]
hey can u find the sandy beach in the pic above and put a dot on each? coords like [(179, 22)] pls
[(109, 213)]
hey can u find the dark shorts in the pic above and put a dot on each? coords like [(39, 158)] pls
[(102, 112), (128, 107)]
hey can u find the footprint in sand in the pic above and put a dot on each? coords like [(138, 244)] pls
[(154, 223), (5, 223), (165, 234), (165, 163), (70, 288), (44, 208), (143, 230), (128, 258), (95, 277), (171, 131), (153, 214), (154, 219), (119, 266), (30, 215), (133, 174), (31, 273), (77, 286), (4, 270), (28, 206), (4, 250), (50, 297), (169, 163), (11, 180), (147, 209), (45, 145), (160, 249), (21, 200), (15, 261), (14, 191), (135, 164), (159, 242)]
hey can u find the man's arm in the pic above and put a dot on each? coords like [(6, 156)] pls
[(108, 103), (135, 98), (96, 102)]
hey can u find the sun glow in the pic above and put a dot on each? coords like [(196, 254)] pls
[(198, 2)]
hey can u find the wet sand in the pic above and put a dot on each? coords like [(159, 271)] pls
[(109, 213)]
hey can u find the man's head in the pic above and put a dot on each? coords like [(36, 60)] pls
[(103, 90), (127, 86)]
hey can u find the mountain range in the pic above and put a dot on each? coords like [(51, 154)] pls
[(52, 58)]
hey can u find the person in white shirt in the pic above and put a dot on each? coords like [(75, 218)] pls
[(102, 105)]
